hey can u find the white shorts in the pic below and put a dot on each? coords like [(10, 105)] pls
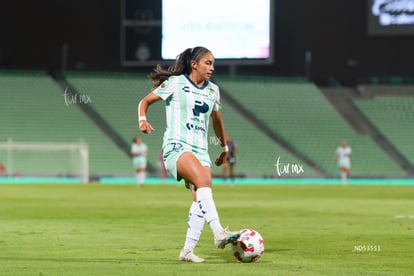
[(173, 151), (344, 163), (139, 162)]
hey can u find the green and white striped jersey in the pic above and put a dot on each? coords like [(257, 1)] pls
[(188, 109)]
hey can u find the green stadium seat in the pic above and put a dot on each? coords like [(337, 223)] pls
[(299, 113), (393, 117), (33, 109)]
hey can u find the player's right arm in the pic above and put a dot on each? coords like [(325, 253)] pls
[(143, 105)]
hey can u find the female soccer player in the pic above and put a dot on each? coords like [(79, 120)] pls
[(139, 152), (343, 157), (190, 100)]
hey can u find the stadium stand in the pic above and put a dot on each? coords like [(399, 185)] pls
[(257, 153), (33, 108), (115, 97), (298, 112), (384, 112)]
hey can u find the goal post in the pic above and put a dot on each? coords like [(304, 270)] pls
[(47, 159)]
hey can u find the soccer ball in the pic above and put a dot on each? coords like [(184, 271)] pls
[(249, 247)]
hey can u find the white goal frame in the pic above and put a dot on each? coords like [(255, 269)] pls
[(83, 148)]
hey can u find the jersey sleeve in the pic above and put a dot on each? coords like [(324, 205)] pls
[(216, 100), (166, 88)]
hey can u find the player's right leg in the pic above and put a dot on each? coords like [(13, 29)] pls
[(190, 168), (195, 227), (345, 171)]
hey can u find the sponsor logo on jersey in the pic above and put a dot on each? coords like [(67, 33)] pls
[(200, 107), (191, 126), (186, 89)]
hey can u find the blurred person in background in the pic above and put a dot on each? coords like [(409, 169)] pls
[(343, 157), (231, 159), (164, 172), (139, 152)]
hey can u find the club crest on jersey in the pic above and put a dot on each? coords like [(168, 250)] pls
[(213, 95)]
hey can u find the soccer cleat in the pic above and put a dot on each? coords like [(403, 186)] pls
[(189, 256), (187, 184), (225, 237)]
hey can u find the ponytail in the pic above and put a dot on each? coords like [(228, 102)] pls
[(182, 65)]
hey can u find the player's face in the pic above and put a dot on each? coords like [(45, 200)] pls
[(204, 68)]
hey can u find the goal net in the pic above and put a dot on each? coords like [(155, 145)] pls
[(45, 159)]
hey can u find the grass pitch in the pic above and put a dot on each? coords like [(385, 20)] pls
[(125, 230)]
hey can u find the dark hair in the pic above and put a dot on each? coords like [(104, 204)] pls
[(182, 65)]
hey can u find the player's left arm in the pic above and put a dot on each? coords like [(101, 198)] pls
[(218, 127)]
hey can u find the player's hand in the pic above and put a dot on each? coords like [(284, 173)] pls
[(221, 159), (145, 127)]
